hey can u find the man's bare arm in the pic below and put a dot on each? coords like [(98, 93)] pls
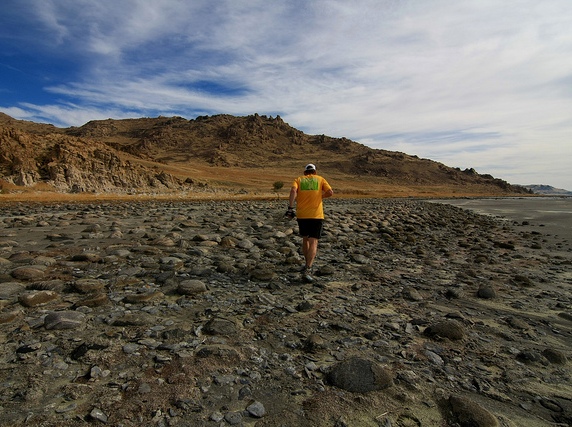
[(293, 195)]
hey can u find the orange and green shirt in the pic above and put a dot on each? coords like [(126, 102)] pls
[(309, 197)]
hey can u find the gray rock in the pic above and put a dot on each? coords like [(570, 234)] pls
[(133, 319), (314, 343), (11, 289), (98, 415), (67, 407), (122, 253), (434, 358), (529, 356), (44, 261), (219, 351), (131, 348), (360, 259), (256, 409), (217, 417), (64, 320), (245, 244), (233, 418)]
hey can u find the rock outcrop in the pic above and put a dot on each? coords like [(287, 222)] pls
[(71, 164)]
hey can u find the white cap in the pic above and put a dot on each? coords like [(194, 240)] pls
[(310, 167)]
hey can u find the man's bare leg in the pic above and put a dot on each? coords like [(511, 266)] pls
[(309, 249)]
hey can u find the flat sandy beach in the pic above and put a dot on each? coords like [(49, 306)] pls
[(549, 215)]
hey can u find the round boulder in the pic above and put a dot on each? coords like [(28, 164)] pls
[(220, 326), (28, 273), (555, 356), (450, 329), (191, 287), (486, 292), (263, 272), (88, 285), (35, 299), (360, 376), (468, 413), (11, 289)]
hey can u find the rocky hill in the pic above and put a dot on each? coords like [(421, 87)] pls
[(548, 190), (222, 152), (32, 154)]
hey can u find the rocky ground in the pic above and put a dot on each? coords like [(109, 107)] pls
[(194, 314)]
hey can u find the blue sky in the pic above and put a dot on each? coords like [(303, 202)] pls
[(485, 84)]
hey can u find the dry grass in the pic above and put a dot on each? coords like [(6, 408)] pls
[(223, 183), (39, 196)]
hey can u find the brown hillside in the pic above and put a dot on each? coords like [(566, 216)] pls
[(219, 153)]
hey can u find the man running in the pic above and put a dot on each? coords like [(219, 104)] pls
[(308, 192)]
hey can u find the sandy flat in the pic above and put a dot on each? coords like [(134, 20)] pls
[(548, 215)]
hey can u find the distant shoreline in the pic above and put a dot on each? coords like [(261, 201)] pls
[(551, 215)]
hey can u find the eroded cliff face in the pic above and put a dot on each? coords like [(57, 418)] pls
[(71, 164)]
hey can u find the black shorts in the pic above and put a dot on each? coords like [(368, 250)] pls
[(310, 227)]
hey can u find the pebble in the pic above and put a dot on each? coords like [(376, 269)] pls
[(98, 415), (256, 409)]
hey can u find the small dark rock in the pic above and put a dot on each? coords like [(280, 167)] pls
[(555, 356), (486, 292)]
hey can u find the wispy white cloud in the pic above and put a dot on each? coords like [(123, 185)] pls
[(479, 83)]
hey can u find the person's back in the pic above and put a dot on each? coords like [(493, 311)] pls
[(309, 199), (308, 192)]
